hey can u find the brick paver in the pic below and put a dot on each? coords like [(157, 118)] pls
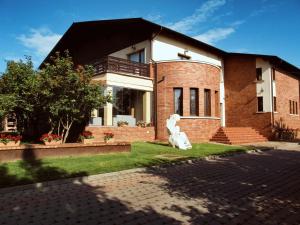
[(260, 188)]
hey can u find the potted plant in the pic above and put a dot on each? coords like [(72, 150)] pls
[(87, 137), (51, 139), (10, 139), (122, 123), (108, 137), (141, 123)]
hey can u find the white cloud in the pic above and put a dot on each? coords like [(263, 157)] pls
[(214, 35), (40, 40), (200, 15)]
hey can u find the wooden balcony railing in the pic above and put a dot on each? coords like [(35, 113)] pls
[(118, 65)]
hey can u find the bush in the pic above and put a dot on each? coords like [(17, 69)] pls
[(50, 137), (7, 137), (86, 135)]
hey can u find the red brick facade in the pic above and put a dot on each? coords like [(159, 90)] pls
[(124, 134), (186, 75), (240, 95), (241, 101), (287, 88)]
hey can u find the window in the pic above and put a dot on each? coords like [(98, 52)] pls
[(258, 74), (217, 104), (293, 107), (207, 102), (194, 102), (138, 56), (260, 104), (275, 104), (178, 106)]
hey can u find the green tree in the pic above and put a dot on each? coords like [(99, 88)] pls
[(68, 93), (19, 91)]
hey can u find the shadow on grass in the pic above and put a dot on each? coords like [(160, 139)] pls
[(72, 201)]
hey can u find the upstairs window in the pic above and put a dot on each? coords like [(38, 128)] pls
[(260, 104), (138, 56), (194, 102), (207, 102), (178, 104), (258, 74)]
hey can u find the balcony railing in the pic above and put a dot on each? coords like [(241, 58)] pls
[(118, 65)]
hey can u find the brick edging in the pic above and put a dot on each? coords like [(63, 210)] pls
[(118, 173)]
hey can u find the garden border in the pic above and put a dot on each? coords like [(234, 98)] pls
[(38, 151)]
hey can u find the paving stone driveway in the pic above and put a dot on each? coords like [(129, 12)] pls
[(261, 188)]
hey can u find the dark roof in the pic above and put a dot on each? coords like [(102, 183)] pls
[(116, 34), (276, 61), (90, 40)]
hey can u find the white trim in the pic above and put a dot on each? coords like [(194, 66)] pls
[(190, 61), (127, 81), (200, 117)]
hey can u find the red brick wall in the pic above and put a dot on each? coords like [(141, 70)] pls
[(124, 134), (240, 95), (186, 75), (287, 88)]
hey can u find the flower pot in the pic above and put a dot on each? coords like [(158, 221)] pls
[(10, 144), (88, 141), (53, 142), (111, 140)]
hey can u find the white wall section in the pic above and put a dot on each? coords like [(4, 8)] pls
[(165, 49)]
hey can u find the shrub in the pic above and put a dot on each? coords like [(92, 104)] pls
[(7, 137), (122, 123), (50, 137), (108, 135), (86, 135)]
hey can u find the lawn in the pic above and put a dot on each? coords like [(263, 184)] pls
[(141, 155)]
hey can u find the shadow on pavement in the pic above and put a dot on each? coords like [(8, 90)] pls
[(73, 202), (247, 189)]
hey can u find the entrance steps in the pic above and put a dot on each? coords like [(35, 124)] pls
[(237, 135)]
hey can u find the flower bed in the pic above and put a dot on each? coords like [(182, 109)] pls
[(108, 137), (51, 139), (87, 137), (10, 139)]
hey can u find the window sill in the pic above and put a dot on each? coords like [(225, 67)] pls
[(261, 112), (200, 117), (294, 114)]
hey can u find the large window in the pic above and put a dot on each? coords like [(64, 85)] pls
[(194, 102), (207, 102), (138, 56), (260, 104), (178, 105)]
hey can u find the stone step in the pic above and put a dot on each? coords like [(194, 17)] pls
[(237, 135)]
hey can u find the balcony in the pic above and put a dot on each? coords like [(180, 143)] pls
[(112, 64)]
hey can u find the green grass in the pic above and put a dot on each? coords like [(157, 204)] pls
[(141, 155)]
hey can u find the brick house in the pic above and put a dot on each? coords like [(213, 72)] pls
[(153, 72)]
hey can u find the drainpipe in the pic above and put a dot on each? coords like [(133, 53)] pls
[(272, 94)]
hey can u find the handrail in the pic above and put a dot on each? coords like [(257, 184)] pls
[(114, 64)]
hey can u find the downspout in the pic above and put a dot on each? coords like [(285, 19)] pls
[(272, 95), (155, 79)]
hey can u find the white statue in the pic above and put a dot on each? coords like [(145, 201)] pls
[(176, 137)]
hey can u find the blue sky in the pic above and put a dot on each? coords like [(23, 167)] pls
[(257, 26)]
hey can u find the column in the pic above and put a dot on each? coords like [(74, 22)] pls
[(147, 106), (108, 109)]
